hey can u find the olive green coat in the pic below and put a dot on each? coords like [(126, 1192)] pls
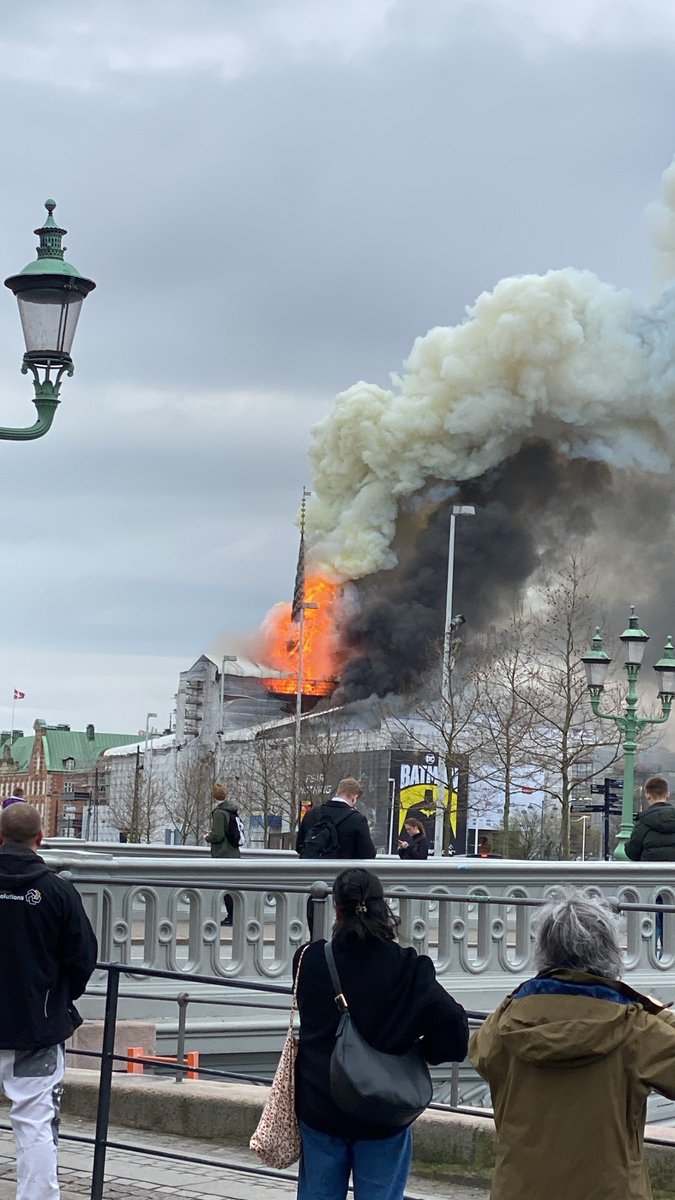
[(569, 1074), (221, 846)]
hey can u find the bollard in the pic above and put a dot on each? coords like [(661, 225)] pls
[(318, 895), (183, 999)]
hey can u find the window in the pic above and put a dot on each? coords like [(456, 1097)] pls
[(69, 764)]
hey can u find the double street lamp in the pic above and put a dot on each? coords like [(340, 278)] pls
[(50, 293), (596, 662)]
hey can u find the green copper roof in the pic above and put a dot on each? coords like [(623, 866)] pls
[(60, 744)]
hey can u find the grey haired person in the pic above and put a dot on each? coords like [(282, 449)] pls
[(571, 1057)]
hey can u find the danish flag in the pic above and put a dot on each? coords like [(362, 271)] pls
[(19, 695)]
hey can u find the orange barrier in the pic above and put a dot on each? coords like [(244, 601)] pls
[(136, 1068)]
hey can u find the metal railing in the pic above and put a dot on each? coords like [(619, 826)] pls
[(472, 917), (319, 894)]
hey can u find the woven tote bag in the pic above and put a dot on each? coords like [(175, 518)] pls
[(276, 1140)]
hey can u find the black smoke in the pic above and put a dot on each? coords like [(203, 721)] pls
[(531, 511)]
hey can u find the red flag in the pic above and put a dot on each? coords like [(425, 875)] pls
[(19, 695)]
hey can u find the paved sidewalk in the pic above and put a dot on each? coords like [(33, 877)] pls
[(132, 1176)]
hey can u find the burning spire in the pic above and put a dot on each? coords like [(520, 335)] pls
[(300, 639), (299, 589)]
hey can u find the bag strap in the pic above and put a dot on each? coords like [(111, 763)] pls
[(294, 1000), (340, 998), (339, 818)]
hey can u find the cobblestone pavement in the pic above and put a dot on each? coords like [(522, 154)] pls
[(132, 1176)]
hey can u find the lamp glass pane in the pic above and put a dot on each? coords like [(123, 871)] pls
[(49, 319), (667, 681), (596, 673), (635, 651)]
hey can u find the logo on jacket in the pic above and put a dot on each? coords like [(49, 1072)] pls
[(33, 896)]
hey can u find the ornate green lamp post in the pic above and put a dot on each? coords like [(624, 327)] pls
[(50, 293), (596, 662)]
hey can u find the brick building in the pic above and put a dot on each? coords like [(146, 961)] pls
[(56, 767)]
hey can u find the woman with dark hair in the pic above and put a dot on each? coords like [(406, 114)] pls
[(415, 845), (395, 1001)]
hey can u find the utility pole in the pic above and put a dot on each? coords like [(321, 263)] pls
[(452, 624), (135, 819), (299, 607)]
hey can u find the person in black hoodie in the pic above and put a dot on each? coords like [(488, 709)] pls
[(415, 844), (653, 836), (394, 1000), (47, 954)]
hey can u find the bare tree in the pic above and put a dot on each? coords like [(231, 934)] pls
[(504, 764), (137, 806), (189, 802), (535, 832), (323, 740), (448, 723), (567, 741), (260, 772)]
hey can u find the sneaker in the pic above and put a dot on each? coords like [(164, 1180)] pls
[(227, 921)]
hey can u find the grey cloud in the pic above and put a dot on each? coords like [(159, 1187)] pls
[(291, 225)]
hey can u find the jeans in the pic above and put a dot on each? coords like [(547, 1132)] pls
[(379, 1167)]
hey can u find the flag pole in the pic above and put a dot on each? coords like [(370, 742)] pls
[(11, 736)]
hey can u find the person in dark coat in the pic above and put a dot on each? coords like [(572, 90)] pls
[(416, 844), (224, 837), (394, 999), (653, 837), (352, 830), (47, 954)]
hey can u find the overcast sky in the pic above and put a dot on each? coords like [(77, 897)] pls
[(274, 198)]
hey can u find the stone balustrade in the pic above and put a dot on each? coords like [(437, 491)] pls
[(164, 910)]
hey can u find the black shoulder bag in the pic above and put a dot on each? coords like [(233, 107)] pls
[(382, 1089)]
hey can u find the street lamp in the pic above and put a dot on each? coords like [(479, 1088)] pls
[(50, 293), (596, 662), (452, 623)]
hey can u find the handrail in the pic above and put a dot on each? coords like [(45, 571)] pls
[(108, 1057)]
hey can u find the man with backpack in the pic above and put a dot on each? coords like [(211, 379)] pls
[(226, 836), (336, 829)]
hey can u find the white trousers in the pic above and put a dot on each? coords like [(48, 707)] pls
[(31, 1082)]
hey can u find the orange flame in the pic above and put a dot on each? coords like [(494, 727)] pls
[(320, 654)]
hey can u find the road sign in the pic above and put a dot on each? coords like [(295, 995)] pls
[(614, 783), (587, 808)]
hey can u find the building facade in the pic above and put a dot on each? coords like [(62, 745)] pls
[(56, 767)]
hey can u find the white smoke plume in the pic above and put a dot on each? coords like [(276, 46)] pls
[(562, 358)]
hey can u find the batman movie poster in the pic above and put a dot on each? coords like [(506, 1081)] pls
[(415, 777)]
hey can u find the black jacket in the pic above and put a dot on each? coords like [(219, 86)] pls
[(653, 836), (353, 832), (47, 952), (417, 848), (394, 998)]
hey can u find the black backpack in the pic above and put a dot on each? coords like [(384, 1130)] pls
[(322, 841)]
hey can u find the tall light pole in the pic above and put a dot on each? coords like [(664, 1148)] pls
[(147, 773), (451, 626), (305, 604), (596, 662), (451, 622), (50, 293)]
